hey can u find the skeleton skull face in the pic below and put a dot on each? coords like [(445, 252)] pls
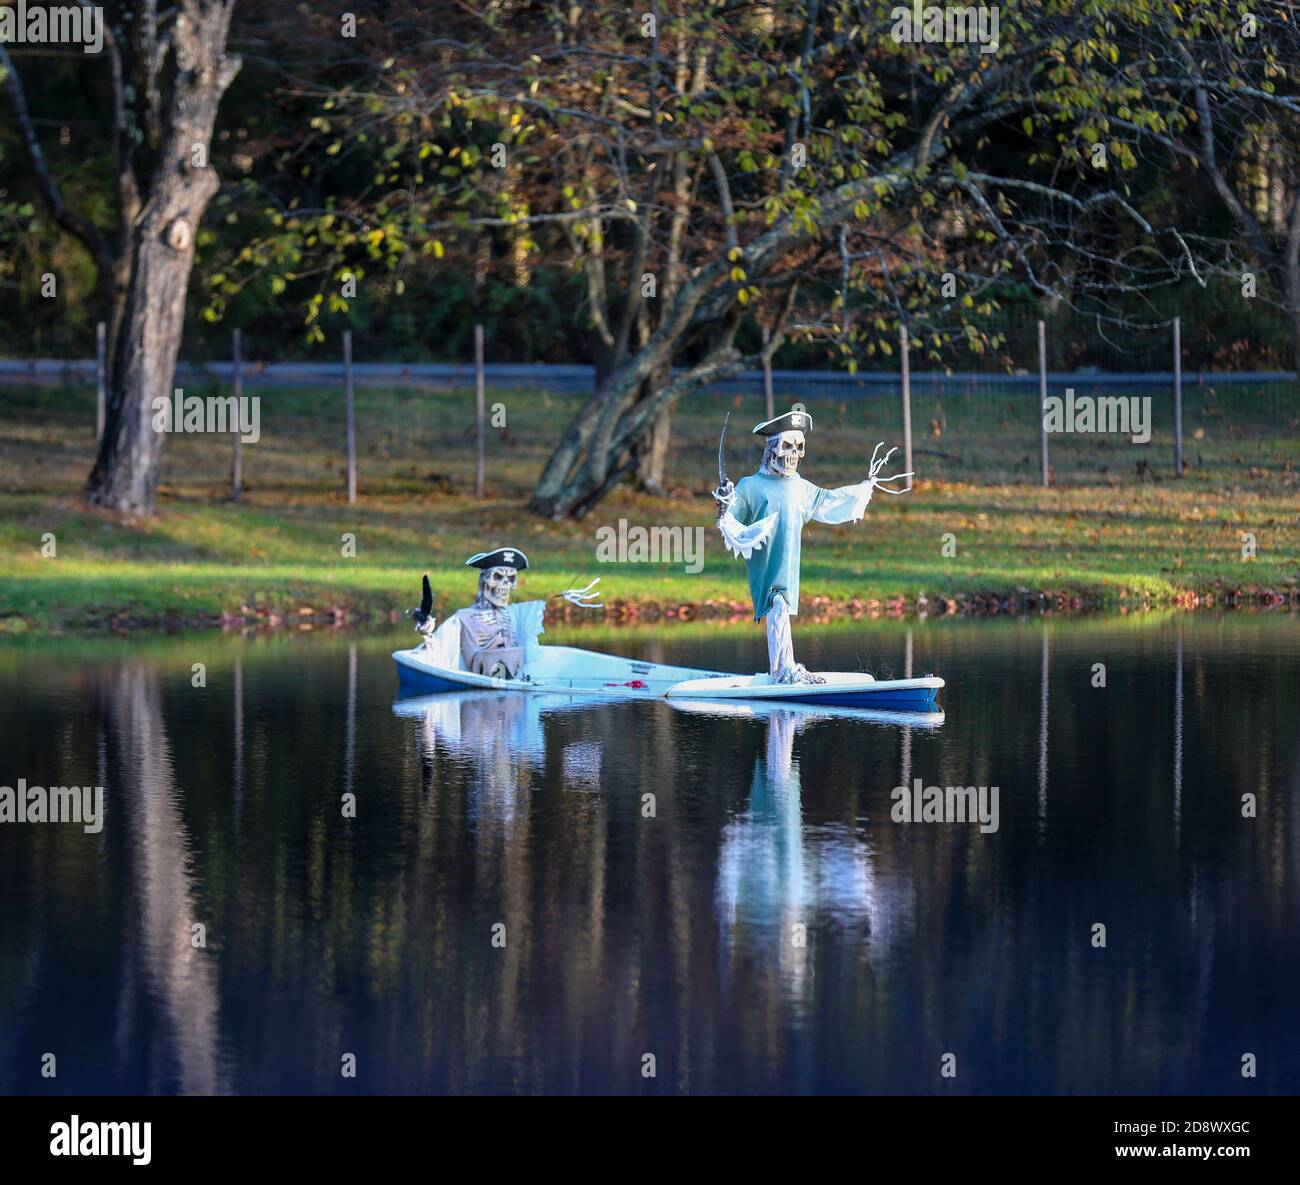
[(785, 452), (496, 585)]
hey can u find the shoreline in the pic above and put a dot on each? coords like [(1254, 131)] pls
[(628, 612), (973, 539)]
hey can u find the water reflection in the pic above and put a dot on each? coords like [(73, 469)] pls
[(651, 864), (497, 735), (777, 875), (1042, 738), (1178, 731), (164, 961)]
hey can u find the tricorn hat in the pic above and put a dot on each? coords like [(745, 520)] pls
[(502, 557), (792, 421)]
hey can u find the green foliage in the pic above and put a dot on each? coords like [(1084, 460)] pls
[(374, 159)]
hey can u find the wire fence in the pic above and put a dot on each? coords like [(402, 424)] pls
[(415, 426)]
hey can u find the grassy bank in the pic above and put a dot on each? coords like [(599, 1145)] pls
[(1111, 533)]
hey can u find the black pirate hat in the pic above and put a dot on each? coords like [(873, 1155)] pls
[(792, 421), (502, 557)]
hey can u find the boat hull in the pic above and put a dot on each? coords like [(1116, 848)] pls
[(839, 689), (569, 671), (555, 669)]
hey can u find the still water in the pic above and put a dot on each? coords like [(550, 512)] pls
[(509, 910)]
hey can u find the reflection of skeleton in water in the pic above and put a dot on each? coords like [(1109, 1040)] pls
[(482, 756), (497, 736), (773, 870), (492, 637)]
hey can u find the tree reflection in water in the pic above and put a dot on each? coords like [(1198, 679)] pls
[(649, 865)]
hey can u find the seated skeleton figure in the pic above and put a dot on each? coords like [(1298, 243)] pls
[(494, 637), (489, 633)]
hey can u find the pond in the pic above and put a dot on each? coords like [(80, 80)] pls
[(537, 895)]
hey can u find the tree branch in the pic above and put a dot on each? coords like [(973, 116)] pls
[(81, 228)]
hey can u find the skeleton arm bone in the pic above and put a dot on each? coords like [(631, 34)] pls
[(877, 464), (848, 503), (583, 597)]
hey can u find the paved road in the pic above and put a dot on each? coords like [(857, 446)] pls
[(578, 379)]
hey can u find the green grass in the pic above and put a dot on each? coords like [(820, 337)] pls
[(1111, 532)]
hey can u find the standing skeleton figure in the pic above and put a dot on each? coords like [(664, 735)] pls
[(762, 517), (494, 637)]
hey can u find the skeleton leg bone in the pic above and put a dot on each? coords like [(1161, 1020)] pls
[(780, 647)]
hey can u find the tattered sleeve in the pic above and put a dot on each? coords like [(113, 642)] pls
[(846, 504), (742, 536), (527, 618)]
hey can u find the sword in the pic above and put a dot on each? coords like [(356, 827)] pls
[(722, 461)]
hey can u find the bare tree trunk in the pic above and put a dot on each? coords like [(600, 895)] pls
[(652, 460), (652, 452), (127, 468), (112, 289), (145, 347), (1291, 277), (611, 428), (581, 461)]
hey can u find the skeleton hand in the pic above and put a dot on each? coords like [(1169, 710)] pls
[(724, 496), (583, 597), (877, 464)]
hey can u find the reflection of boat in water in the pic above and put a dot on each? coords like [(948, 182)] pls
[(463, 723), (776, 870), (501, 738), (806, 713), (569, 671)]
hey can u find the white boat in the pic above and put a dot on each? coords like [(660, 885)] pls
[(569, 671)]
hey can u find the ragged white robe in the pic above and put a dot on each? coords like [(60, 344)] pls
[(765, 522)]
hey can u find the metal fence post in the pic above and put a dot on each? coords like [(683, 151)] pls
[(352, 426), (1178, 397), (767, 375), (478, 411), (1042, 397), (237, 462), (101, 380), (907, 404)]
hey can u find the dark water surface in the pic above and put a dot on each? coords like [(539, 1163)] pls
[(770, 928)]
